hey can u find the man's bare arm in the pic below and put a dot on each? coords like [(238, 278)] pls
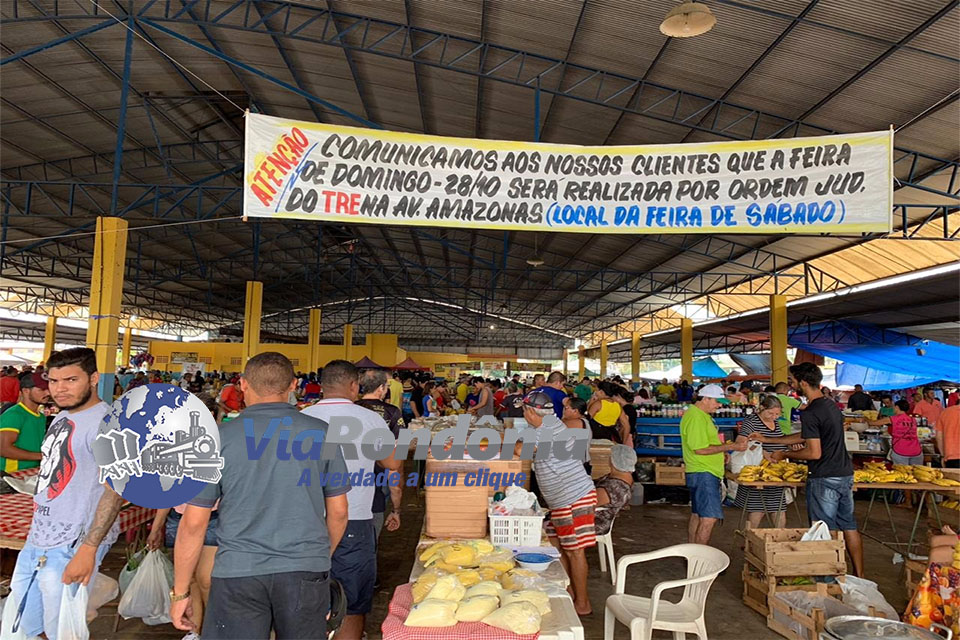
[(103, 517)]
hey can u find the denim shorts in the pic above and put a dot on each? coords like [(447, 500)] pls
[(831, 500), (173, 523), (41, 612), (705, 498)]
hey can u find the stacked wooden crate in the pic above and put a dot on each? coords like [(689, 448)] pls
[(771, 555)]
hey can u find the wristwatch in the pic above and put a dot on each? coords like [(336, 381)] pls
[(175, 597)]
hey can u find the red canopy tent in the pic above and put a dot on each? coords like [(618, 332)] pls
[(409, 365), (367, 363)]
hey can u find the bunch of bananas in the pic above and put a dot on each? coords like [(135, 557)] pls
[(950, 504), (878, 472), (934, 476), (783, 471)]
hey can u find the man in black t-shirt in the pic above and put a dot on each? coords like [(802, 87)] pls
[(859, 401), (830, 481), (373, 388)]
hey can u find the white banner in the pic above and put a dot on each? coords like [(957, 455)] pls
[(839, 184)]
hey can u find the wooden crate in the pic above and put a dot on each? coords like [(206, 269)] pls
[(779, 552), (914, 573), (812, 623), (669, 475), (759, 588)]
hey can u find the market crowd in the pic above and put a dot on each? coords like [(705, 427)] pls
[(259, 551)]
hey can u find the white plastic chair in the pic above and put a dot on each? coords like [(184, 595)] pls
[(643, 615), (605, 547)]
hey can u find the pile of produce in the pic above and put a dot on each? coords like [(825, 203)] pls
[(474, 581), (783, 471), (907, 474), (950, 504)]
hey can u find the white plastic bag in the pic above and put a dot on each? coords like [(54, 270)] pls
[(101, 590), (72, 623), (130, 569), (818, 531), (148, 595), (861, 594), (9, 615), (753, 455)]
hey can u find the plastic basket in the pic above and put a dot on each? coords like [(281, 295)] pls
[(519, 531)]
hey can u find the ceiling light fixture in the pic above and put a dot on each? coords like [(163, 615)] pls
[(687, 20), (535, 260)]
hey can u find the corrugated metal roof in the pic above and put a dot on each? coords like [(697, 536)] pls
[(69, 112)]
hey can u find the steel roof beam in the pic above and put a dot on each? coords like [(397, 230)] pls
[(756, 63), (950, 6)]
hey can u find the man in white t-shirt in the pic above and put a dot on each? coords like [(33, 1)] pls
[(354, 561), (74, 515)]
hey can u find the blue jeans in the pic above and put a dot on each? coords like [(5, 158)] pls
[(42, 611), (831, 500), (705, 498)]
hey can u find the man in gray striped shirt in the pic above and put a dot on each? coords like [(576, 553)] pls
[(570, 496)]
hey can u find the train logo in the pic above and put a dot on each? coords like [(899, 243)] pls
[(192, 455)]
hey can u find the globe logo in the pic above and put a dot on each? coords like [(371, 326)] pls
[(158, 447)]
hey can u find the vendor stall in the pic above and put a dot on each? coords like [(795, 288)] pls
[(660, 436), (16, 514)]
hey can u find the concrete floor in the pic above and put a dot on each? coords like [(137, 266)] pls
[(638, 530)]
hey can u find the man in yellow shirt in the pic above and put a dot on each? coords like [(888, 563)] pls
[(463, 390), (666, 391), (395, 390)]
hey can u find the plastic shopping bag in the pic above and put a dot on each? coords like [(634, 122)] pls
[(130, 569), (101, 590), (148, 595), (72, 623), (753, 455), (6, 621), (862, 594), (819, 531)]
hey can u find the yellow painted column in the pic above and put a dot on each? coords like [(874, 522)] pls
[(635, 356), (604, 353), (252, 311), (49, 338), (125, 351), (106, 292), (778, 339), (686, 349), (566, 362), (347, 340), (582, 363), (313, 339)]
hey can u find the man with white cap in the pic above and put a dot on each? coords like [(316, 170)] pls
[(703, 456)]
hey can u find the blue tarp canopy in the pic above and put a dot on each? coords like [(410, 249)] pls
[(879, 358), (850, 375), (753, 363), (707, 368)]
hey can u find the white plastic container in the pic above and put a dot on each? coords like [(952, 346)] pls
[(519, 531)]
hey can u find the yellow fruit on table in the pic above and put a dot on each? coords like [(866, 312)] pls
[(945, 482), (468, 577)]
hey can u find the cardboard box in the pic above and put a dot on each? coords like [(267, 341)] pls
[(780, 552), (669, 475), (454, 510), (599, 461)]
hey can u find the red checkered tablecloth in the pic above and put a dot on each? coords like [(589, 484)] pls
[(400, 605), (16, 514)]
